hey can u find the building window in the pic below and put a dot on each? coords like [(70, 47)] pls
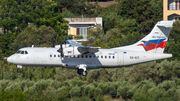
[(83, 32), (174, 4), (177, 4)]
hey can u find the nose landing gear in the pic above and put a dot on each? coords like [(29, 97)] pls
[(18, 70), (19, 66)]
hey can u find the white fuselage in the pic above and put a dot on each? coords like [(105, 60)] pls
[(105, 58), (76, 56)]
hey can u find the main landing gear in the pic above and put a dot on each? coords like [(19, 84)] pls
[(82, 69)]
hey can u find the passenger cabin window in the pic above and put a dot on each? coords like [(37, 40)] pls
[(50, 55), (54, 55), (105, 56), (109, 56), (113, 57), (58, 55), (101, 56), (94, 56)]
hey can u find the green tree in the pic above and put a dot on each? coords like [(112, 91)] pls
[(93, 35), (145, 12), (5, 41), (32, 35), (173, 44), (16, 15), (9, 95), (78, 7)]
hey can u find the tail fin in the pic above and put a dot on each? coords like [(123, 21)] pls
[(155, 41)]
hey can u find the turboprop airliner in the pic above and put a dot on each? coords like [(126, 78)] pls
[(75, 56)]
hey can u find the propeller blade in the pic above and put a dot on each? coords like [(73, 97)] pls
[(61, 48), (62, 55)]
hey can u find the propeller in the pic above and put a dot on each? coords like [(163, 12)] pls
[(61, 48), (52, 40)]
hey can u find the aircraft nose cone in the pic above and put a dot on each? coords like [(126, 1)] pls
[(9, 59)]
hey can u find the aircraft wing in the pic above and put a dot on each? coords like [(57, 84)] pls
[(73, 43), (85, 50)]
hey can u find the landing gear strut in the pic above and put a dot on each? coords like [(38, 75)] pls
[(82, 69)]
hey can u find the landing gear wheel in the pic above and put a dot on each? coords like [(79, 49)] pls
[(18, 70), (80, 71), (84, 73)]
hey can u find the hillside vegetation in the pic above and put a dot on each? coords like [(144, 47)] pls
[(27, 22)]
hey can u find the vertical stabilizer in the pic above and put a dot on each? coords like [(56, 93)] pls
[(155, 41)]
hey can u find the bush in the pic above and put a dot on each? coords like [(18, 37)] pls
[(75, 91)]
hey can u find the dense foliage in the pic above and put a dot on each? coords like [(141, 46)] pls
[(42, 35), (33, 22), (147, 82)]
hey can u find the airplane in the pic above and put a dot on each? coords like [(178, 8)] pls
[(76, 56)]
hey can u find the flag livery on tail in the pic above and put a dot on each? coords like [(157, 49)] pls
[(153, 44), (155, 41)]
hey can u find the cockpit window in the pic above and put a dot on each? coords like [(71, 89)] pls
[(22, 52), (26, 52), (18, 52)]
